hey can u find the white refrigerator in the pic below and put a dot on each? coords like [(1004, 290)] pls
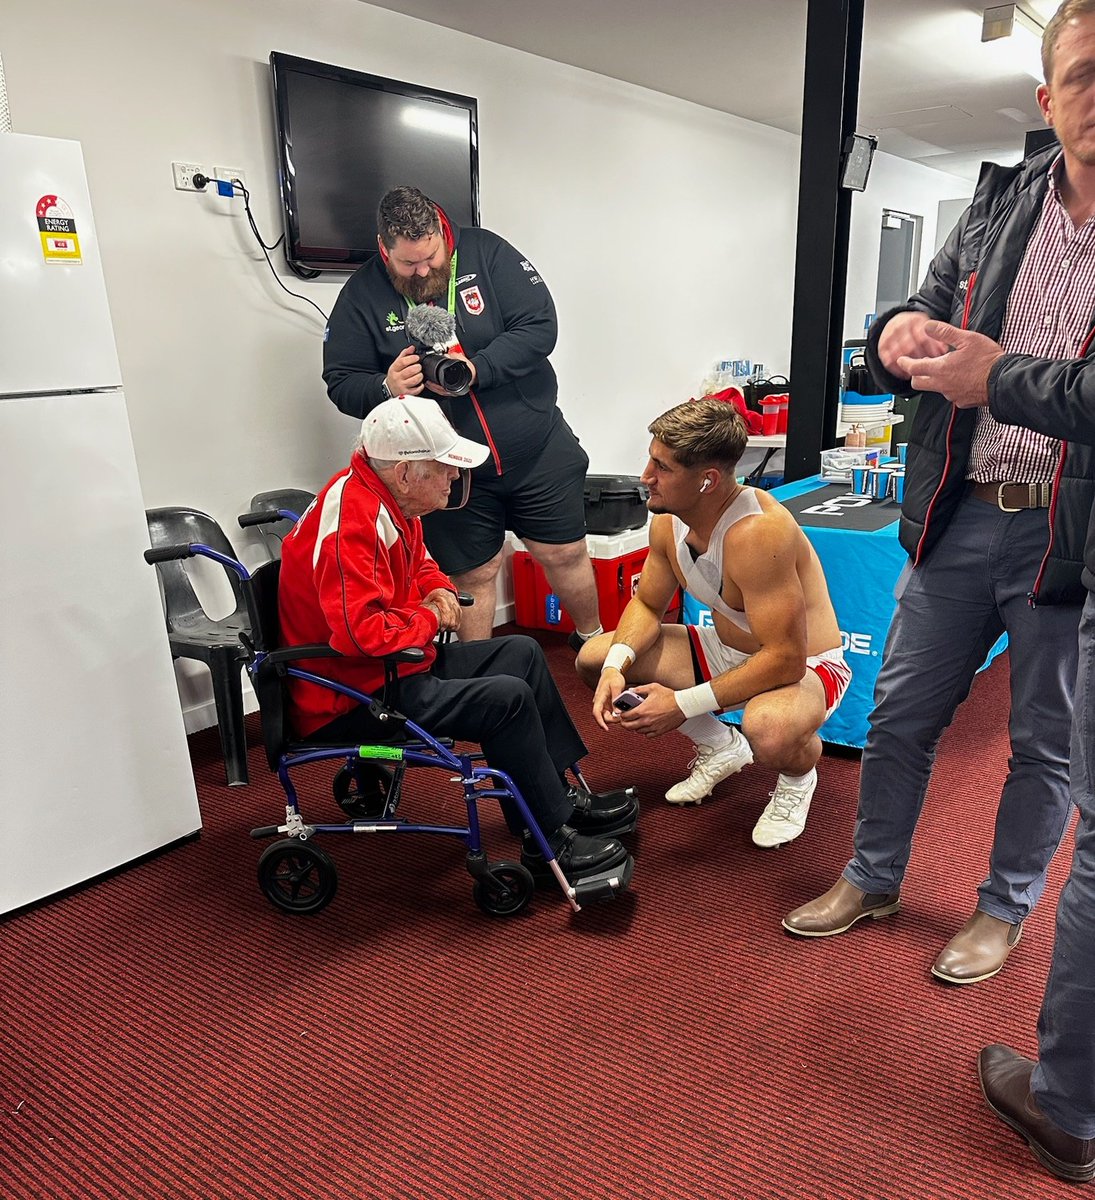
[(94, 769)]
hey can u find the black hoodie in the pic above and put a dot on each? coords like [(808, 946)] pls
[(506, 325)]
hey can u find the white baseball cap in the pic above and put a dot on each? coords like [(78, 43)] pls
[(415, 428)]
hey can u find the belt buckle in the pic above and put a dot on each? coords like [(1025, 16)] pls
[(1000, 499)]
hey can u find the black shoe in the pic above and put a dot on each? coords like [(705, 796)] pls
[(604, 814), (576, 641), (578, 856)]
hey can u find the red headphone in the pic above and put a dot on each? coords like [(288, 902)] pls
[(446, 228)]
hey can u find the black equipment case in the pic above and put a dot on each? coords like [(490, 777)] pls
[(615, 503)]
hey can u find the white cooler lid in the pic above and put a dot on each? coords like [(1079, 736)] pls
[(605, 545)]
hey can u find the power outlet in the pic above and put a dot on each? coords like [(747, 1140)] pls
[(228, 173), (184, 176)]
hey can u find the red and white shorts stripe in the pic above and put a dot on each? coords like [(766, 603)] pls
[(713, 657)]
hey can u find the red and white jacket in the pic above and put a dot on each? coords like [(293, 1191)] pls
[(354, 575)]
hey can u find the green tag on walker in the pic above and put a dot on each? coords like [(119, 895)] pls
[(392, 752)]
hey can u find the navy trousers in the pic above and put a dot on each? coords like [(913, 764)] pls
[(1064, 1080), (971, 587)]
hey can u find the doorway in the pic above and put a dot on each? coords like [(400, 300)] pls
[(898, 258), (898, 262)]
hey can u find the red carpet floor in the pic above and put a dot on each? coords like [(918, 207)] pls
[(166, 1033)]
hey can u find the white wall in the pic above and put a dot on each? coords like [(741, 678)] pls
[(948, 214), (909, 188), (665, 230)]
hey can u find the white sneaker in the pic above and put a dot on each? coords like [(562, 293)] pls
[(709, 767), (785, 816)]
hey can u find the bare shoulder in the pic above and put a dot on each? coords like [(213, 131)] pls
[(661, 533), (762, 547)]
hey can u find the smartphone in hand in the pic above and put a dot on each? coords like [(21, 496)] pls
[(627, 700)]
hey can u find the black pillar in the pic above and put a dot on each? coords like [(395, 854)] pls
[(834, 39)]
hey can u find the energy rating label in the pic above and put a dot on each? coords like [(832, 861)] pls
[(57, 229)]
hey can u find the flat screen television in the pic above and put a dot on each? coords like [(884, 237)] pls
[(345, 138)]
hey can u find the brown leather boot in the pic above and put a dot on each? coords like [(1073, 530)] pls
[(978, 950), (1005, 1081), (838, 910)]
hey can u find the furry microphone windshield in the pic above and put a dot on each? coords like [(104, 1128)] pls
[(428, 325), (435, 328)]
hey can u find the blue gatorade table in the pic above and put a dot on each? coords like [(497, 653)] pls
[(856, 541)]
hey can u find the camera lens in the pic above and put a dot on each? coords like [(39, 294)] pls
[(455, 376), (452, 374)]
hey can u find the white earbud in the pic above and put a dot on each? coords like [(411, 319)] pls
[(705, 485)]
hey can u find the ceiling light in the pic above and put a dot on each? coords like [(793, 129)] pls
[(1023, 33)]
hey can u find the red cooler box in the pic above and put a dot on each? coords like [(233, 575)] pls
[(617, 564)]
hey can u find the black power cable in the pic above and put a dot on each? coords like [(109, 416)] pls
[(200, 182)]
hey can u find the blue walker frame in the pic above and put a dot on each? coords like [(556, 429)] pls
[(420, 750)]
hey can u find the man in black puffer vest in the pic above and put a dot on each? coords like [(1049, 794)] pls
[(993, 520)]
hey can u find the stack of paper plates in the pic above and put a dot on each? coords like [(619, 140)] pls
[(865, 414)]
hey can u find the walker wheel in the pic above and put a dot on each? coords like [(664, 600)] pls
[(361, 789), (505, 890), (297, 877)]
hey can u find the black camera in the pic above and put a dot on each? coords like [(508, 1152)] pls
[(452, 374)]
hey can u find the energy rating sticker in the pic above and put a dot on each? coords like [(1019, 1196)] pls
[(57, 229)]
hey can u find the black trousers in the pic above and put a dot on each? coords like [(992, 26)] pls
[(500, 694)]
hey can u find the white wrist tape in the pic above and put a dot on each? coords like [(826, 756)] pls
[(619, 656), (695, 701)]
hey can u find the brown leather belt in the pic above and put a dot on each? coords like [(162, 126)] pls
[(1011, 497)]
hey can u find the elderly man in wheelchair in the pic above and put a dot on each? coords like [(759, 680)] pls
[(355, 574)]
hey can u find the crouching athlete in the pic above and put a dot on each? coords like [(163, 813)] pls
[(774, 645)]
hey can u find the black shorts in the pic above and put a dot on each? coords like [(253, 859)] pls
[(541, 498)]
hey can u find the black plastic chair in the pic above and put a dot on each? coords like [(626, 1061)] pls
[(193, 634), (286, 500)]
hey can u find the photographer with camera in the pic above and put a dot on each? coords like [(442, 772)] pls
[(460, 314)]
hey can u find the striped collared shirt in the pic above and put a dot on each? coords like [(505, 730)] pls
[(1048, 315)]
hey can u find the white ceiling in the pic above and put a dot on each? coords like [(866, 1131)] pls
[(930, 90)]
